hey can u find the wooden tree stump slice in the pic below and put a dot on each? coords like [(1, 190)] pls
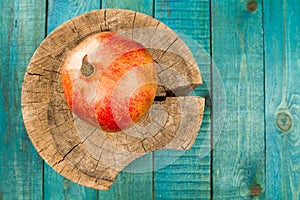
[(86, 154)]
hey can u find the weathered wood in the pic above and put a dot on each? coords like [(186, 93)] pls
[(21, 168), (55, 185), (142, 6), (239, 154), (174, 60), (59, 11), (178, 174), (61, 139), (135, 181), (282, 61), (117, 150), (23, 28)]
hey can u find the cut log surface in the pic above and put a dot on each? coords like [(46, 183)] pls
[(88, 155)]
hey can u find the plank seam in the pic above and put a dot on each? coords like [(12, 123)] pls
[(153, 165), (264, 86), (45, 35), (211, 99)]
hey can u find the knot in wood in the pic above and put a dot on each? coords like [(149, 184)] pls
[(255, 190), (86, 154), (284, 121), (252, 6)]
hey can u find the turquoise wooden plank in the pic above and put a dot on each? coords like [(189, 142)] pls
[(178, 174), (237, 50), (143, 6), (282, 61), (58, 187), (135, 181), (60, 11), (55, 185), (22, 29)]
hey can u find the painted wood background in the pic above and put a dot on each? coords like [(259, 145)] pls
[(254, 48)]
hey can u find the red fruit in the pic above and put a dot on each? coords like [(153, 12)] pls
[(109, 81)]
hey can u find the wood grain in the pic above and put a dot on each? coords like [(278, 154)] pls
[(87, 155), (60, 11), (186, 175), (55, 185), (238, 159), (139, 172), (142, 6), (21, 168), (239, 155), (282, 58)]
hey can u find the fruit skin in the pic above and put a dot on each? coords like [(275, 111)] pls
[(109, 81)]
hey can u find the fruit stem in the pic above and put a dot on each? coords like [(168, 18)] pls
[(87, 69)]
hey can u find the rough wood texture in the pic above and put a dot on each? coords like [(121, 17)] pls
[(55, 185), (239, 155), (21, 169), (22, 172), (178, 174), (139, 172), (282, 50), (142, 6), (84, 154)]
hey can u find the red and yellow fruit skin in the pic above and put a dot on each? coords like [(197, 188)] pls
[(122, 88)]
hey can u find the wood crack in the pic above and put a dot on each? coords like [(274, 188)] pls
[(156, 27), (133, 22), (105, 20), (67, 154), (33, 74), (102, 155), (165, 51)]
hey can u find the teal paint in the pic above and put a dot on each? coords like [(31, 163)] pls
[(282, 55), (143, 6), (187, 175), (237, 50), (135, 182), (60, 11), (257, 54), (21, 167), (55, 185)]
